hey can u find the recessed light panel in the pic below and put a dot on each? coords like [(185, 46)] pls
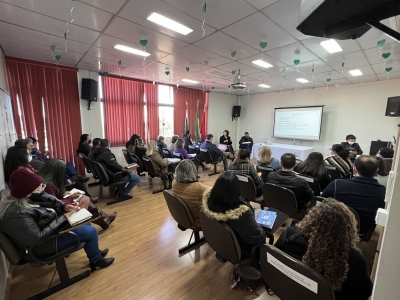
[(264, 86), (302, 80), (131, 50), (190, 81), (262, 63), (331, 46), (356, 72), (168, 23)]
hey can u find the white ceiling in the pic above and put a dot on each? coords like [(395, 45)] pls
[(29, 27)]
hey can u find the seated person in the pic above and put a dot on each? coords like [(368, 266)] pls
[(188, 140), (96, 144), (352, 147), (180, 148), (171, 146), (28, 143), (130, 145), (84, 144), (160, 142), (288, 179), (363, 193), (216, 154), (160, 164), (29, 225), (326, 241), (42, 156), (53, 173), (104, 156), (242, 165), (340, 159), (188, 189), (382, 175), (246, 142), (315, 166), (17, 157), (140, 149), (265, 158), (387, 155), (224, 204), (225, 139)]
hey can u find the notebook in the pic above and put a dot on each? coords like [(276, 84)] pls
[(74, 191), (266, 218), (173, 160), (80, 216), (131, 166)]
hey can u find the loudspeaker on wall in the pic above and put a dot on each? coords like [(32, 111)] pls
[(393, 107), (89, 89)]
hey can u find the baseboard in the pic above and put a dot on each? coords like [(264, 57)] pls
[(7, 292)]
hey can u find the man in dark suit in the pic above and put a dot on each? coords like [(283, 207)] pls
[(214, 151), (246, 142), (288, 179), (363, 193)]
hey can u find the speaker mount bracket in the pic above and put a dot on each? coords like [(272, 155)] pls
[(88, 107)]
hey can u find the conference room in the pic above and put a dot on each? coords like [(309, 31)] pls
[(219, 149)]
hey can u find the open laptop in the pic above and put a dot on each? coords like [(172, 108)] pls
[(222, 147)]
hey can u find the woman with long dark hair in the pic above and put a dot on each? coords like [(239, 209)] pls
[(340, 159), (326, 241), (130, 145), (382, 175), (224, 204), (53, 173), (16, 157), (315, 166), (84, 144)]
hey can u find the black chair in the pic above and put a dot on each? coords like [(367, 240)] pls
[(312, 182), (178, 155), (333, 172), (182, 216), (127, 157), (388, 164), (207, 158), (282, 274), (365, 237), (93, 170), (265, 170), (191, 149), (37, 257), (113, 182), (284, 200), (151, 170), (84, 161), (248, 189), (160, 151), (166, 153)]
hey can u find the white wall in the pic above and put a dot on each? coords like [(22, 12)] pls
[(356, 109), (220, 116)]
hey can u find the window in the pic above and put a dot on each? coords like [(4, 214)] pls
[(166, 110), (46, 145), (23, 134)]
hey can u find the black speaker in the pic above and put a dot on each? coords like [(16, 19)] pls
[(236, 111), (393, 107), (89, 89)]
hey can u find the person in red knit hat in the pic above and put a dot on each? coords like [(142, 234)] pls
[(31, 225)]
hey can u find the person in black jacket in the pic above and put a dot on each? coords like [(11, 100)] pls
[(326, 241), (84, 144), (225, 139), (315, 166), (188, 140), (224, 204), (246, 142), (351, 146), (288, 179), (104, 156), (160, 142), (96, 144)]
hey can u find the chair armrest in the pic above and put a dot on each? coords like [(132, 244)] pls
[(117, 174)]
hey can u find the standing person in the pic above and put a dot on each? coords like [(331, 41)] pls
[(265, 158), (326, 241), (42, 156), (340, 159), (104, 156), (246, 142), (180, 148), (130, 145), (351, 146), (315, 166), (160, 142), (171, 146), (216, 153), (84, 144), (160, 164)]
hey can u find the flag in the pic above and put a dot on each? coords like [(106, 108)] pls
[(203, 125), (197, 124), (186, 120)]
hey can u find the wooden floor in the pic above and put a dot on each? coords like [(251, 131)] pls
[(144, 239)]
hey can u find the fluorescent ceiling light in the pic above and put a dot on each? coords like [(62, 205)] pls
[(264, 86), (356, 72), (302, 80), (168, 23), (262, 63), (190, 81), (131, 50), (331, 46)]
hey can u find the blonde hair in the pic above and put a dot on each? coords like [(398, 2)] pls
[(151, 148), (265, 155), (7, 200)]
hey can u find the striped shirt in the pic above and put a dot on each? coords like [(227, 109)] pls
[(344, 166), (247, 169)]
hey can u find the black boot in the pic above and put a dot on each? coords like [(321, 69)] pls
[(101, 263), (104, 252)]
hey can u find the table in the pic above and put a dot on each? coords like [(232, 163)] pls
[(301, 152)]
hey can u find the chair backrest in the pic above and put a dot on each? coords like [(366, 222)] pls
[(357, 216), (265, 170), (205, 156), (333, 172), (102, 173), (84, 161), (9, 249), (127, 156), (166, 153), (221, 238), (149, 165), (280, 198), (312, 182), (137, 160), (291, 279), (247, 187), (178, 155), (178, 210), (191, 149), (92, 168), (160, 151), (388, 164)]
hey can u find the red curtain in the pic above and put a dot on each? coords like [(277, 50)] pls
[(151, 92), (190, 96), (58, 87), (123, 108)]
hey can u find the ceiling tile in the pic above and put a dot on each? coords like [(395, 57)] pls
[(138, 10), (110, 6), (319, 66), (313, 44), (276, 63), (289, 53), (245, 70), (380, 68), (199, 55), (362, 79), (10, 51), (220, 13), (261, 3), (257, 28), (370, 39), (374, 54), (351, 60), (224, 45), (392, 75), (132, 32), (181, 64)]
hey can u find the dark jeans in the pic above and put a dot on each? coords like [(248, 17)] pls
[(246, 147), (224, 160), (133, 179)]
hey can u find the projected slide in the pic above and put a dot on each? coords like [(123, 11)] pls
[(303, 123)]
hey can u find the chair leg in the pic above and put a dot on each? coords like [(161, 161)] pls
[(118, 196), (215, 171), (97, 182), (197, 241), (164, 180), (65, 280)]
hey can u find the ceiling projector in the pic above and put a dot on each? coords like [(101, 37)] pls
[(237, 83)]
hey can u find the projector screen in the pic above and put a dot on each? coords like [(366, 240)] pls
[(303, 123)]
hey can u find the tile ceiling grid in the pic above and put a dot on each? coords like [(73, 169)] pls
[(219, 75)]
